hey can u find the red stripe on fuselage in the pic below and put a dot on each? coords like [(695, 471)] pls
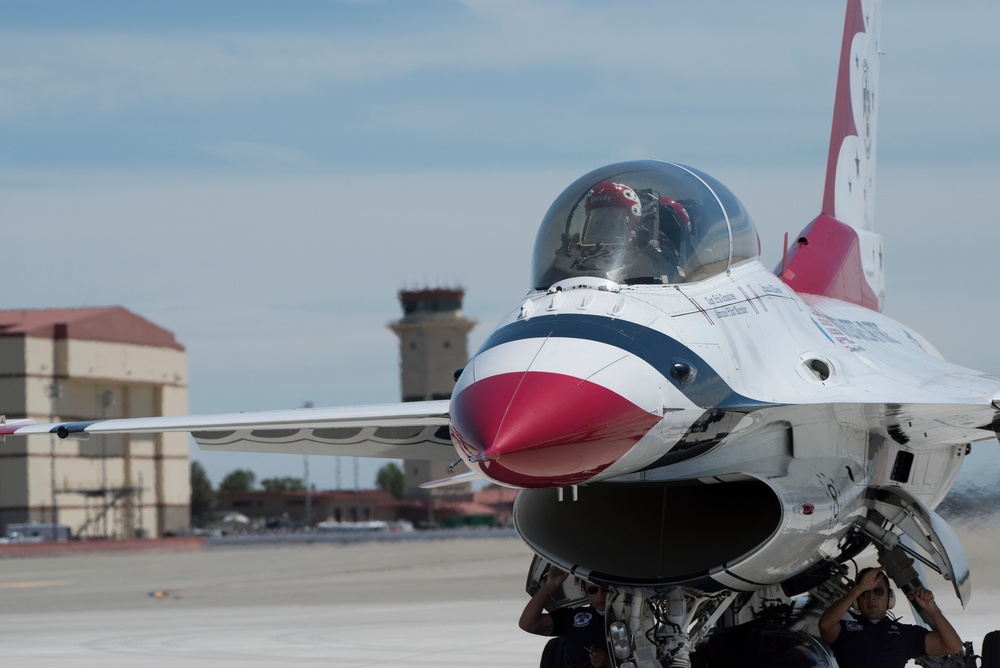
[(540, 429)]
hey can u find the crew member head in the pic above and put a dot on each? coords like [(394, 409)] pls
[(675, 223), (596, 594), (874, 603), (676, 211), (613, 210)]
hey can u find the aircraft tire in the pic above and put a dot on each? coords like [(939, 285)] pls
[(991, 650)]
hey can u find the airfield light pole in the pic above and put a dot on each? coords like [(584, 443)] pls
[(55, 393), (309, 508), (142, 529), (305, 464), (107, 398), (357, 492)]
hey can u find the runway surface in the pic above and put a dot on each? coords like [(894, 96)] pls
[(413, 603)]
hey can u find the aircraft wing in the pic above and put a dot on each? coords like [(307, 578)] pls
[(414, 430)]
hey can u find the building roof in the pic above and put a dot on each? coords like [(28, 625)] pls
[(379, 495), (464, 508), (432, 300), (495, 495), (113, 324)]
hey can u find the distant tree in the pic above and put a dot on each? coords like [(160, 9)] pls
[(240, 480), (390, 478), (286, 484), (202, 496)]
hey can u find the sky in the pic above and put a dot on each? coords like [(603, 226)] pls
[(262, 178)]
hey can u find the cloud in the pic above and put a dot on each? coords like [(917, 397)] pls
[(257, 156), (263, 184), (99, 72)]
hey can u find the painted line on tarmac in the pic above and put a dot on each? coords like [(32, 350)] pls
[(32, 585)]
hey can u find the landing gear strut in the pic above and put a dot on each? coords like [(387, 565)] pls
[(661, 629)]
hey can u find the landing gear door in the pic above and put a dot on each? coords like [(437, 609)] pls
[(930, 532), (569, 594)]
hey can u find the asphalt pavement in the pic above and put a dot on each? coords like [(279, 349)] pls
[(441, 602), (410, 603)]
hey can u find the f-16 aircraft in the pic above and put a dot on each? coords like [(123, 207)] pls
[(711, 439)]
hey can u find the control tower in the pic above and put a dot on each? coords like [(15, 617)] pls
[(433, 344)]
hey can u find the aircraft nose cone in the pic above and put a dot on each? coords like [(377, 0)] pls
[(543, 429)]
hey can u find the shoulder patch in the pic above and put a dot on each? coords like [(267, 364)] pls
[(581, 619), (854, 626)]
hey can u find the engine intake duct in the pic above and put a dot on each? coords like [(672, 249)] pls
[(648, 534)]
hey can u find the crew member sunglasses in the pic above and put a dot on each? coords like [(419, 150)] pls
[(593, 589), (878, 592)]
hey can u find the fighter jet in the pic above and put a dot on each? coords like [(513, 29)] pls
[(711, 438)]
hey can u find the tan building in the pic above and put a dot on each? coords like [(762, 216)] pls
[(85, 364), (433, 344)]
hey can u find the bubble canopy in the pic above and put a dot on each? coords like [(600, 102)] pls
[(643, 222)]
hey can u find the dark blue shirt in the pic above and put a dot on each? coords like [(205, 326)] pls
[(582, 629), (882, 644)]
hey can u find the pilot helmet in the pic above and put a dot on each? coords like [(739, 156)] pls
[(677, 210), (614, 209)]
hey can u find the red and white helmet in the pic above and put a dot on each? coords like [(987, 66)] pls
[(617, 196), (679, 211)]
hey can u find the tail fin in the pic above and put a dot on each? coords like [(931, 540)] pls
[(838, 255)]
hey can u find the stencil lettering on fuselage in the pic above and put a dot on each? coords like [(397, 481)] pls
[(730, 304), (848, 333)]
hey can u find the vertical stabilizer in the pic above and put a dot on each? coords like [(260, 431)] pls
[(838, 255)]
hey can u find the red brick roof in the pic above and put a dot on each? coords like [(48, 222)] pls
[(113, 324), (495, 495), (377, 496), (464, 508)]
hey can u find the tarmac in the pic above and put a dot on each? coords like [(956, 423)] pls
[(442, 602), (451, 602)]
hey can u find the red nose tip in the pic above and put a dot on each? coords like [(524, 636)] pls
[(538, 429)]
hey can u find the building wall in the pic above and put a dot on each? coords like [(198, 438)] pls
[(145, 479), (431, 350)]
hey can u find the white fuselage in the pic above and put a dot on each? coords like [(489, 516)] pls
[(814, 397)]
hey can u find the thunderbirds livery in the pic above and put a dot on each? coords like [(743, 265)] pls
[(733, 434)]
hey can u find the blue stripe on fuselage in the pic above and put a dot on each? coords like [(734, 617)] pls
[(707, 390)]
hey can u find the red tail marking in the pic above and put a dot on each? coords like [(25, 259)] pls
[(843, 110), (829, 263)]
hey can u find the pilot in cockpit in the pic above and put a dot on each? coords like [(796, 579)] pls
[(675, 223), (613, 211), (642, 223), (675, 231), (631, 236)]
